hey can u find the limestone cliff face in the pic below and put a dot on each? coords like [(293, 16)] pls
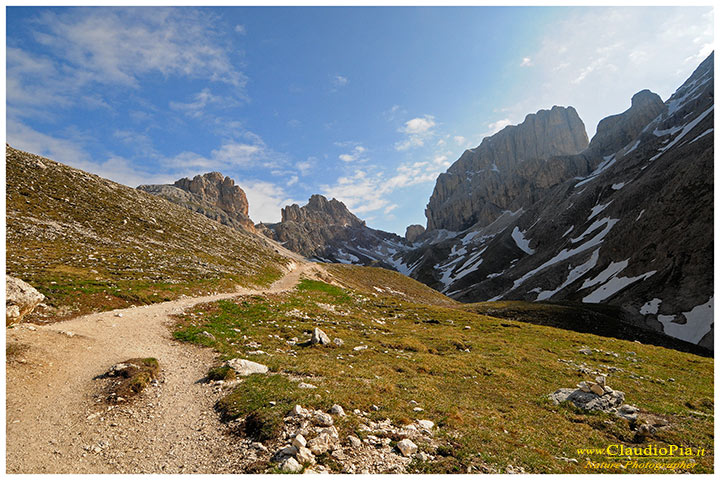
[(616, 131), (413, 232), (508, 170), (212, 194)]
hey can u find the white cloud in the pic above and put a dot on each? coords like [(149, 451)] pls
[(526, 62), (419, 125), (417, 131), (239, 28), (265, 200), (293, 180), (354, 156), (460, 140), (499, 125), (200, 101)]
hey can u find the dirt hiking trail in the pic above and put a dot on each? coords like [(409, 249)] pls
[(57, 420)]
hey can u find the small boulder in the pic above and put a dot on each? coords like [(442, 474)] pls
[(298, 411), (426, 424), (597, 389), (306, 385), (337, 410), (339, 342), (304, 456), (20, 299), (319, 337), (243, 367), (407, 447), (319, 444), (322, 419), (299, 442), (354, 442), (589, 401), (290, 465)]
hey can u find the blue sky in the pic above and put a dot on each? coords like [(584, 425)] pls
[(367, 105)]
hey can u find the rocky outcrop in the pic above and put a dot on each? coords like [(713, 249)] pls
[(213, 195), (20, 299), (326, 230), (508, 171), (413, 232), (616, 131)]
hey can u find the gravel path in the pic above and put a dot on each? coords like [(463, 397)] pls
[(57, 421)]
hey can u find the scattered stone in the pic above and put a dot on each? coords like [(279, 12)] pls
[(299, 441), (208, 335), (243, 367), (290, 465), (585, 351), (322, 419), (423, 457), (339, 342), (68, 334), (319, 444), (417, 409), (600, 379), (628, 412), (298, 411), (306, 385), (597, 389), (305, 456), (375, 408), (354, 441), (360, 347), (569, 460), (584, 387), (337, 410), (407, 447), (120, 315), (319, 337), (426, 424)]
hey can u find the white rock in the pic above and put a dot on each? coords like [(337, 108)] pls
[(304, 455), (360, 347), (600, 379), (407, 447), (306, 385), (597, 389), (339, 342), (20, 299), (299, 411), (337, 410), (319, 337), (354, 441), (322, 419), (243, 367), (319, 444), (417, 409), (290, 465), (427, 424), (299, 442)]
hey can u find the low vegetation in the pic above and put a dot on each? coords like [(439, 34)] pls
[(133, 376), (89, 244), (483, 380)]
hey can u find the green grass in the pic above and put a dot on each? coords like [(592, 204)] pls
[(89, 244), (485, 386)]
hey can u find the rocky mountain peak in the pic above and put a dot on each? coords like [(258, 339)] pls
[(217, 189), (501, 173), (616, 131), (212, 194), (320, 210)]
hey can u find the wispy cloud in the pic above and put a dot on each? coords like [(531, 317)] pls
[(498, 125), (86, 48), (200, 101), (526, 62), (357, 154)]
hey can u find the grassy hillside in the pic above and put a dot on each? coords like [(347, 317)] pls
[(483, 380), (91, 244)]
